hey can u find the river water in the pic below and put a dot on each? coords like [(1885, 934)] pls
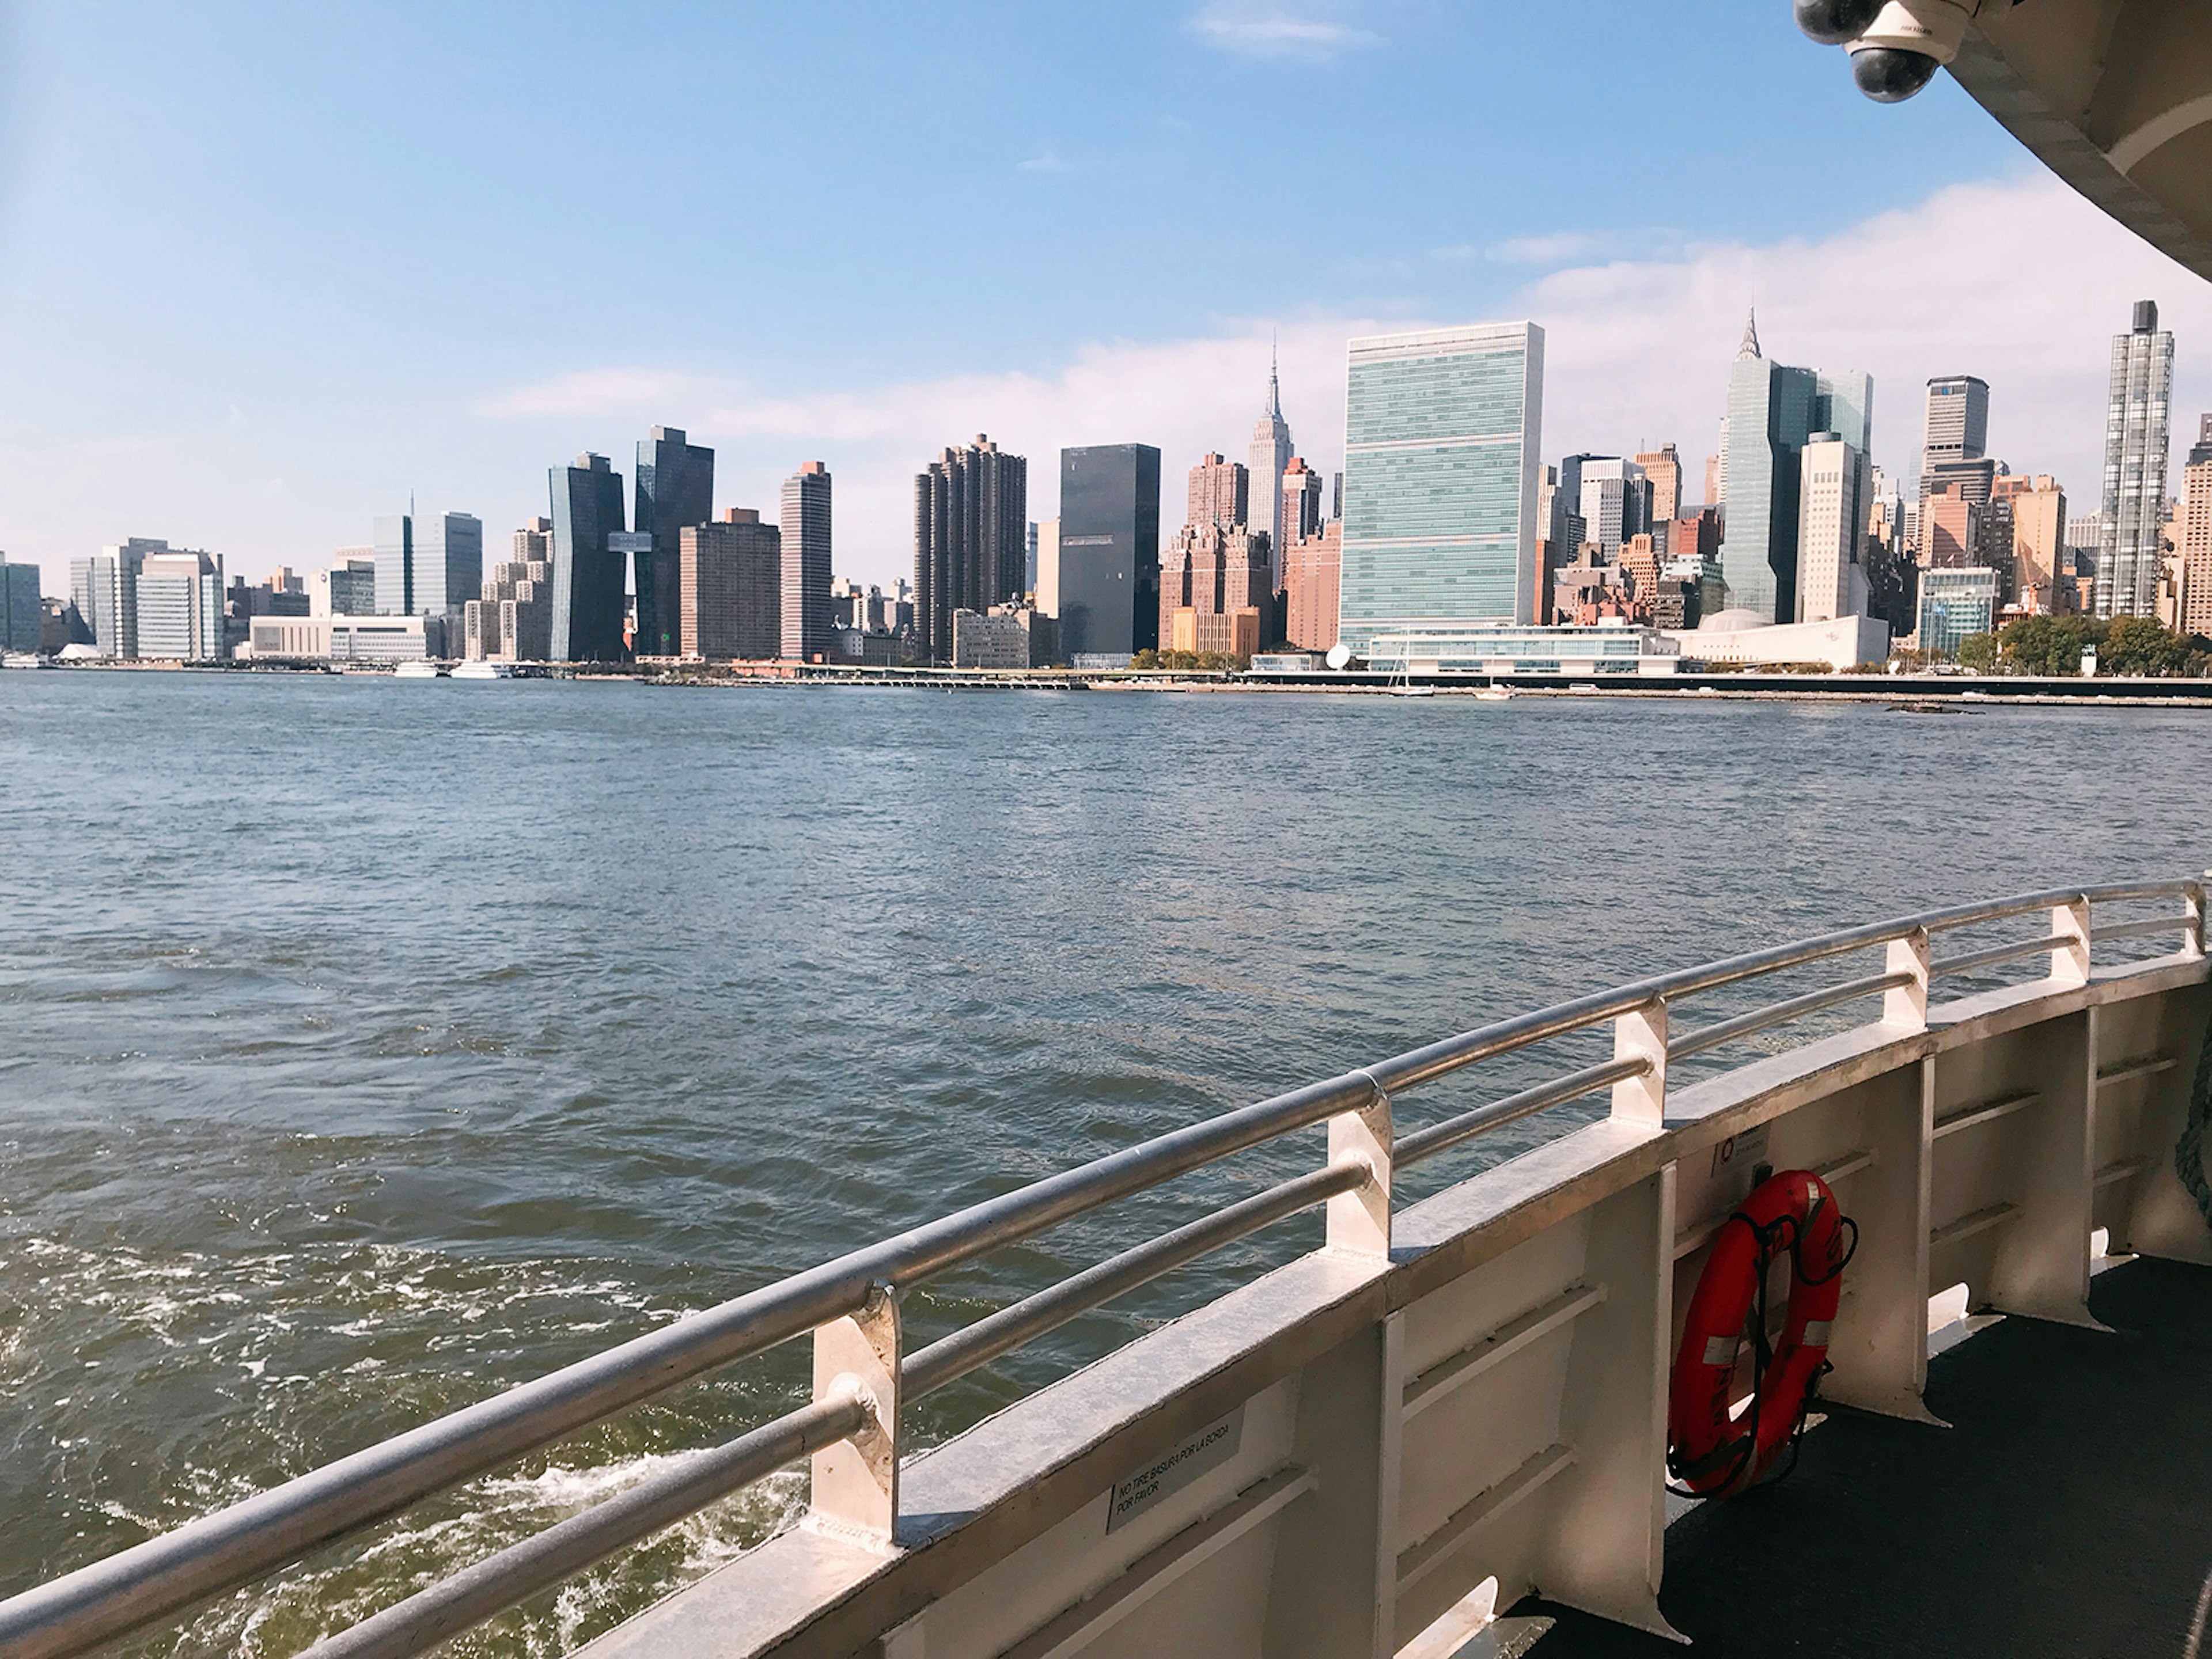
[(371, 1045)]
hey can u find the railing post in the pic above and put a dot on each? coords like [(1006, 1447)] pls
[(2069, 942), (2193, 926), (1360, 1220), (1640, 1033), (856, 1479), (1907, 1005)]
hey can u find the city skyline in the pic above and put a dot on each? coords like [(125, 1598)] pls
[(276, 379)]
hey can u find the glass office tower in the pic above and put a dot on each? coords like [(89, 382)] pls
[(1110, 551), (393, 538), (588, 589), (1770, 415), (675, 490), (448, 564), (1442, 430), (2138, 419)]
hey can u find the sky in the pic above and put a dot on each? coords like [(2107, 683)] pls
[(269, 271)]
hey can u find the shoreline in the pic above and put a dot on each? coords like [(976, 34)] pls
[(1945, 693)]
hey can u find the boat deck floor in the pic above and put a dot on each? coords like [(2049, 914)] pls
[(2068, 1512)]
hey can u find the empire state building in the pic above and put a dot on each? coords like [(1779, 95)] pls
[(1271, 453)]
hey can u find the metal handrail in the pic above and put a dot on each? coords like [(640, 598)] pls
[(1967, 962), (1780, 1013), (441, 1611), (253, 1537), (139, 1586), (1441, 1137), (2150, 927)]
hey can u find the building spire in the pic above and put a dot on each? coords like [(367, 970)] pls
[(1274, 411), (1750, 346)]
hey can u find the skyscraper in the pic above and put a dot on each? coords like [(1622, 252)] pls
[(1958, 420), (587, 569), (970, 522), (1220, 492), (1664, 467), (448, 564), (392, 536), (1109, 549), (1613, 497), (2135, 427), (1270, 453), (179, 604), (1832, 513), (112, 586), (674, 488), (2195, 541), (731, 594), (1442, 430), (1302, 513), (22, 615), (2038, 539), (1773, 410), (805, 593), (1215, 592)]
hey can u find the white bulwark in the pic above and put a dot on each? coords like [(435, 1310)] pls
[(1442, 430)]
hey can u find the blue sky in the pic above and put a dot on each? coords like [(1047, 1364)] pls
[(263, 270)]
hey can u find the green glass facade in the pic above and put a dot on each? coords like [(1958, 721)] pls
[(1441, 434)]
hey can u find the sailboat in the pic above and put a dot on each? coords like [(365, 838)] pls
[(1401, 684)]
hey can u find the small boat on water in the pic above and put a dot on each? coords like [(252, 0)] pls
[(417, 671), (484, 670), (1494, 694)]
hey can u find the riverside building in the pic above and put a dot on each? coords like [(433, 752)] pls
[(2194, 541), (588, 589), (732, 588), (970, 535), (674, 489), (804, 583), (1214, 590), (1313, 576), (2137, 416), (1773, 411), (1954, 603), (1832, 518), (22, 617), (1109, 553), (1443, 433)]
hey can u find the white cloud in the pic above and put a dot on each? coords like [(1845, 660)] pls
[(2022, 282), (2019, 282), (1275, 34), (1047, 162)]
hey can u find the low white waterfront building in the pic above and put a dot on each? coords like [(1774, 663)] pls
[(1741, 637), (1615, 645), (348, 639)]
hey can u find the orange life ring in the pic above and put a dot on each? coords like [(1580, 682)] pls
[(1711, 1451)]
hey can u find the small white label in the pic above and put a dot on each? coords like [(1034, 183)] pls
[(1211, 1447)]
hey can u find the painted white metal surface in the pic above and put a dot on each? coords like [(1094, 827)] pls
[(1488, 1400), (1468, 1392)]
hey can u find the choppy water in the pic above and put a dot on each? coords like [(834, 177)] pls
[(370, 1045)]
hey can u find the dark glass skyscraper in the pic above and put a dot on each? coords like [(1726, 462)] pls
[(1109, 549), (587, 574), (805, 577), (1770, 415), (971, 536), (675, 490), (393, 538)]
